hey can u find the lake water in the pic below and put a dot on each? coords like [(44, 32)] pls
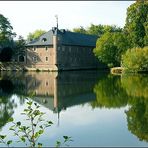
[(94, 108)]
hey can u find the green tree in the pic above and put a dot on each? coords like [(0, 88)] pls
[(110, 47), (135, 60), (36, 34), (19, 48), (99, 30), (136, 26), (6, 34), (80, 30)]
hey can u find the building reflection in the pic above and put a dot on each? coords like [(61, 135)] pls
[(55, 91)]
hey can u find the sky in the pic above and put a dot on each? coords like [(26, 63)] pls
[(27, 16)]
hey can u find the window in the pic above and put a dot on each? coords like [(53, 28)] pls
[(34, 59), (34, 48), (46, 58), (44, 40), (46, 83), (46, 48), (21, 58)]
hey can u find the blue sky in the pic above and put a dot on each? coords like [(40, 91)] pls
[(27, 16)]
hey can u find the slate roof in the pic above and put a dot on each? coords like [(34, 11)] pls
[(66, 38), (73, 38), (48, 36)]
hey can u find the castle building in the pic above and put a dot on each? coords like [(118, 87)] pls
[(62, 50)]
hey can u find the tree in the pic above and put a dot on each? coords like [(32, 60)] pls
[(36, 34), (6, 34), (99, 30), (20, 45), (135, 60), (110, 47), (136, 26), (6, 54), (80, 30)]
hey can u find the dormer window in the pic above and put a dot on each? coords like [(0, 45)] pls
[(44, 39)]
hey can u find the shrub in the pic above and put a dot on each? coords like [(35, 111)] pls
[(135, 60)]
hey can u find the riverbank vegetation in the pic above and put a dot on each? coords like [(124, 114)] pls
[(127, 48)]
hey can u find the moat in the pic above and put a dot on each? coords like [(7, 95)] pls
[(95, 108)]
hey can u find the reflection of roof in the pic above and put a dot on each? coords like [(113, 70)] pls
[(65, 38), (69, 101), (46, 101)]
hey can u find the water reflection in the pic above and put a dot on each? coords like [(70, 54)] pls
[(6, 103), (110, 93), (59, 91)]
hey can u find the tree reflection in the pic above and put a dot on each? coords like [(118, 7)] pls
[(135, 85), (137, 118), (137, 115), (6, 103), (115, 91), (109, 93)]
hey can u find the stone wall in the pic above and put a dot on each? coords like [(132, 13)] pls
[(77, 57), (40, 57)]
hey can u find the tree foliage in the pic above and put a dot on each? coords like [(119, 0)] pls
[(36, 34), (110, 47), (136, 25), (80, 29), (135, 60), (6, 34), (97, 30), (6, 54), (20, 46)]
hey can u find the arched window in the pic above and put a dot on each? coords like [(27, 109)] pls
[(21, 58)]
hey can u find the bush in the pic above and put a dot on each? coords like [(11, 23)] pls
[(135, 60)]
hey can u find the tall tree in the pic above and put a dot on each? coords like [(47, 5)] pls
[(36, 34), (136, 26)]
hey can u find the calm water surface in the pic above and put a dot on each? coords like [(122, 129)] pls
[(94, 108)]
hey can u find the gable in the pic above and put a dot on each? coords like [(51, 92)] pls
[(45, 39)]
